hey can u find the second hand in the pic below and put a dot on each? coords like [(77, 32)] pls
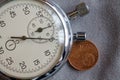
[(25, 38)]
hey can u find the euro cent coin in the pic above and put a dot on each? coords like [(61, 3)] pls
[(83, 56)]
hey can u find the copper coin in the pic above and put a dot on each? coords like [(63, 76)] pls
[(83, 56)]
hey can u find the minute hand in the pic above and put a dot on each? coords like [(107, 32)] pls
[(25, 38), (41, 29)]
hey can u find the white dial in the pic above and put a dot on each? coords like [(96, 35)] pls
[(31, 38)]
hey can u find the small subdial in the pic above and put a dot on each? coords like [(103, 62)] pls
[(10, 45), (41, 27)]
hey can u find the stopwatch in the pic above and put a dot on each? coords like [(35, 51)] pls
[(35, 38)]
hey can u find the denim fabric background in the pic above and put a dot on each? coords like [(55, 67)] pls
[(102, 26)]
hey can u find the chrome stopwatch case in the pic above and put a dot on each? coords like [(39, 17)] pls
[(35, 38)]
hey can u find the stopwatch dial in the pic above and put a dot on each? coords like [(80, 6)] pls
[(31, 38), (41, 27)]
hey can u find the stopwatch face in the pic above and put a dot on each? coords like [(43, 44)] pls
[(32, 38)]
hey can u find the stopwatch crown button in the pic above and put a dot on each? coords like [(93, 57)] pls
[(80, 10), (79, 36)]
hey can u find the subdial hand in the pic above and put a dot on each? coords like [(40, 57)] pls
[(25, 38), (41, 29)]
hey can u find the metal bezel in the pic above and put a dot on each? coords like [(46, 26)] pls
[(68, 37)]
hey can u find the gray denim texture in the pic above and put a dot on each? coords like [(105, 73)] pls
[(102, 26)]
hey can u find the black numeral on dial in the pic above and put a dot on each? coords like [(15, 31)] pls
[(39, 13), (26, 10), (41, 21), (33, 25), (47, 53), (12, 14), (2, 24), (52, 39), (9, 61), (36, 62), (23, 65), (1, 50)]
